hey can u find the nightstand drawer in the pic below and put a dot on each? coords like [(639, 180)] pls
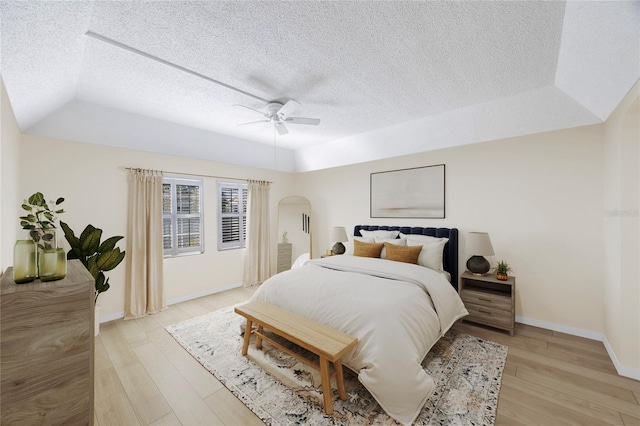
[(489, 315), (487, 299)]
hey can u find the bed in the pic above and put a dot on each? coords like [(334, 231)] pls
[(397, 310)]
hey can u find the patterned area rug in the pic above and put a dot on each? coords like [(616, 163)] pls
[(283, 391)]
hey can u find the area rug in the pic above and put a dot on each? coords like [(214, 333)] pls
[(281, 390)]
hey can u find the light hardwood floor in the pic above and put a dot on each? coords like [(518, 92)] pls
[(143, 377)]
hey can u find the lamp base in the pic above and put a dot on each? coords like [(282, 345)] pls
[(338, 248), (478, 265)]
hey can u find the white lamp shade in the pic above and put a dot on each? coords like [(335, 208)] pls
[(339, 234), (479, 244)]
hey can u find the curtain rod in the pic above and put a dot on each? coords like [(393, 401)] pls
[(194, 174)]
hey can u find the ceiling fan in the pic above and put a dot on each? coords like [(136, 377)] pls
[(274, 112), (279, 114)]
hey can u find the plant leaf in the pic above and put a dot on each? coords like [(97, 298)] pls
[(35, 235), (93, 267), (92, 241), (27, 207), (59, 200), (74, 242), (69, 235), (86, 232), (100, 283), (33, 198), (109, 260), (109, 244), (72, 255), (104, 286)]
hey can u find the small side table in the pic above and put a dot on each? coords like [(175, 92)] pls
[(490, 301)]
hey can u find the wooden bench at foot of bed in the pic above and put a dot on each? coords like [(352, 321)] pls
[(329, 344)]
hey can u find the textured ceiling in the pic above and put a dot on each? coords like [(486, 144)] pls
[(385, 78)]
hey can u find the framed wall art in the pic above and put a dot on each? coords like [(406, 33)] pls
[(410, 193)]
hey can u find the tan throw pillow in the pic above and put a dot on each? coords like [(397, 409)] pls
[(367, 249), (402, 254)]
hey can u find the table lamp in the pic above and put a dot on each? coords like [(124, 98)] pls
[(479, 245), (339, 235)]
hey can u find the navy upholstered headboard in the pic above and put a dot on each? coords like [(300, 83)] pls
[(450, 260)]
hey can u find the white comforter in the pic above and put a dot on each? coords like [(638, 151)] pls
[(396, 310)]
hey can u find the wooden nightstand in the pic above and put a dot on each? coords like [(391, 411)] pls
[(489, 300)]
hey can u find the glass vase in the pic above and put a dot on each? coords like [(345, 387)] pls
[(44, 238), (61, 268), (24, 261), (52, 264)]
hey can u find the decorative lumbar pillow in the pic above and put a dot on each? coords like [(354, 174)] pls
[(431, 254), (349, 244), (394, 241), (379, 234), (402, 254), (367, 249)]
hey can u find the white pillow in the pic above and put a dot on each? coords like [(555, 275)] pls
[(432, 252), (420, 237), (379, 234), (394, 241), (300, 261), (349, 244)]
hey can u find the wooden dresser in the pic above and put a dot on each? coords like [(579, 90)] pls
[(284, 257), (46, 349)]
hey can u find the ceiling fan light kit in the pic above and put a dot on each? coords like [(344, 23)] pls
[(278, 113)]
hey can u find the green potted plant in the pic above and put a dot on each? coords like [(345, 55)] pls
[(502, 270), (40, 220), (95, 256)]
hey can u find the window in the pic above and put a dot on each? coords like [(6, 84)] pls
[(182, 216), (232, 215)]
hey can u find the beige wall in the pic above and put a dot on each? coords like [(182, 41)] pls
[(95, 190), (539, 197), (622, 233), (10, 202)]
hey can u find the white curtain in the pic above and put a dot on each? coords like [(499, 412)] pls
[(143, 286), (257, 263)]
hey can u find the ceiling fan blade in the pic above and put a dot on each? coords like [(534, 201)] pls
[(303, 120), (254, 122), (252, 109), (281, 128), (290, 107)]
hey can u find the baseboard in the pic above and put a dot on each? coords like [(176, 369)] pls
[(574, 331), (111, 317), (623, 370), (203, 293), (118, 315)]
